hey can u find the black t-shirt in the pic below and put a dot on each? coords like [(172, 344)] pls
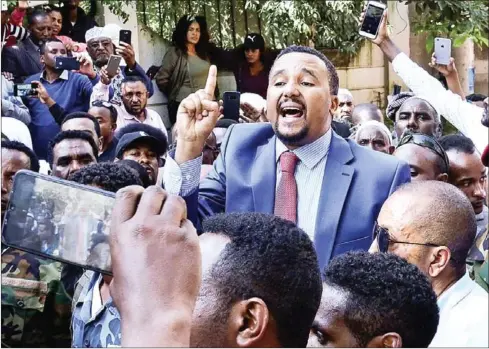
[(109, 154)]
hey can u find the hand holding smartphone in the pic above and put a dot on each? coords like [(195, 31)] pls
[(25, 90), (60, 220), (125, 36), (113, 65), (443, 50), (372, 19)]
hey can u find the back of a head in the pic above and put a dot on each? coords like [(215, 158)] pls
[(269, 258), (107, 176), (369, 109), (384, 294), (442, 214), (140, 170), (459, 143), (332, 73)]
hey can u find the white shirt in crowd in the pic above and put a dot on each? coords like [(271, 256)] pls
[(16, 130), (466, 117), (464, 316)]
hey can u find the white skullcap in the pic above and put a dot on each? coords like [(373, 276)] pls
[(112, 31), (376, 124), (94, 33)]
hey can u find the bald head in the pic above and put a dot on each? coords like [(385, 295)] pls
[(434, 212), (365, 112)]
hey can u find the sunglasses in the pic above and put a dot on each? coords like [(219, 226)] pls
[(381, 235), (425, 141)]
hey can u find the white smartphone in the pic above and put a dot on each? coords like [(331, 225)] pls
[(113, 64), (443, 50), (371, 21)]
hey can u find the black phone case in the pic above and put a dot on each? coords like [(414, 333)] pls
[(16, 188), (67, 63), (125, 36), (231, 106)]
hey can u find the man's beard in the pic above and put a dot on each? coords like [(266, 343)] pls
[(291, 139), (101, 60), (131, 111)]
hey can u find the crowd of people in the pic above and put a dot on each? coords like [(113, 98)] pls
[(309, 222)]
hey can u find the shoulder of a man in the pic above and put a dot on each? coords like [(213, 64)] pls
[(246, 137)]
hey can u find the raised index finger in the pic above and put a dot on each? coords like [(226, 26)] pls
[(210, 85)]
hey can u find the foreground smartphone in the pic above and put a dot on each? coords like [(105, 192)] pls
[(60, 220), (443, 50), (372, 19)]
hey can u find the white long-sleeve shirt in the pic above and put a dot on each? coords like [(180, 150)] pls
[(466, 117)]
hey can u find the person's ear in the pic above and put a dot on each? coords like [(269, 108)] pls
[(114, 126), (100, 142), (439, 259), (392, 149), (442, 177), (250, 321), (42, 59), (388, 340), (334, 104)]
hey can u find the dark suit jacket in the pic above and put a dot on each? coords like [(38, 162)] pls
[(22, 60), (356, 183)]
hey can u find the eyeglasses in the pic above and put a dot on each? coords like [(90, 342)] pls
[(427, 142), (383, 239)]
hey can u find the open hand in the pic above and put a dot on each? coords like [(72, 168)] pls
[(156, 263), (445, 70)]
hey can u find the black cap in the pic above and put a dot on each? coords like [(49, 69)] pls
[(254, 41), (132, 137)]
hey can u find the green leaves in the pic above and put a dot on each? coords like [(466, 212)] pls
[(458, 20)]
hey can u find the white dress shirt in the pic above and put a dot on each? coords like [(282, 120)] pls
[(464, 316), (184, 179), (463, 115)]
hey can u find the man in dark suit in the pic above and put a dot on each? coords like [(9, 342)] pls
[(24, 59), (296, 167)]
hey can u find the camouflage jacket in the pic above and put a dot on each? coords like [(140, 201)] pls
[(35, 308), (479, 268)]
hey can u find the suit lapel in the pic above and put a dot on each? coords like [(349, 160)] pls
[(263, 176), (32, 52), (336, 183)]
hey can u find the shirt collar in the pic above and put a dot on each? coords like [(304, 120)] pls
[(310, 154), (456, 292), (128, 116), (64, 75)]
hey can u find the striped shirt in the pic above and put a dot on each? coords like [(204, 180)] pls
[(309, 173), (10, 30)]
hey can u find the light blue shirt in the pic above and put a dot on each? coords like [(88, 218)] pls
[(309, 173)]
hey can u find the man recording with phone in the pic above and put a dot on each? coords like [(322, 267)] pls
[(103, 43), (59, 92)]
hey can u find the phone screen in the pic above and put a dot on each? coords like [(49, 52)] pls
[(23, 90), (60, 220), (373, 17), (231, 104)]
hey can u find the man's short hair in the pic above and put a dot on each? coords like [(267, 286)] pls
[(384, 293), (372, 109), (107, 175), (447, 219), (332, 74), (137, 168), (107, 105), (133, 79), (44, 44), (71, 134), (31, 18), (270, 258), (475, 97), (15, 145), (374, 123), (83, 115), (150, 130), (459, 143)]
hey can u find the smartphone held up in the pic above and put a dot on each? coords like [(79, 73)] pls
[(373, 17), (59, 220)]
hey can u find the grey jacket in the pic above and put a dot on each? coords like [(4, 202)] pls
[(171, 76)]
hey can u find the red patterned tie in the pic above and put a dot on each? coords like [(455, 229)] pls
[(286, 197)]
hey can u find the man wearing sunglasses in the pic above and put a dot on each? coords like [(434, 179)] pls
[(425, 156), (432, 225)]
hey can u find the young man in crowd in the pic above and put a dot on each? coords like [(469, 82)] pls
[(263, 166), (248, 306), (345, 105), (106, 115), (95, 320), (23, 59), (374, 135), (35, 309), (134, 101), (101, 44), (426, 157), (466, 117), (60, 89), (81, 121), (468, 173), (432, 225), (144, 144), (365, 112), (70, 151), (374, 301)]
